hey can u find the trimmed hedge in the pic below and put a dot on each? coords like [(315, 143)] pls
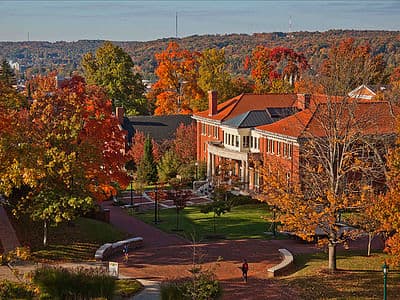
[(60, 283)]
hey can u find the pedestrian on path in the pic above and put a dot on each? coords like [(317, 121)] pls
[(126, 253), (245, 269)]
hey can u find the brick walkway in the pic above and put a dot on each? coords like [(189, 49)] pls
[(167, 256), (8, 236)]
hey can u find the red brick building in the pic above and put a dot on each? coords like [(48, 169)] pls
[(272, 128)]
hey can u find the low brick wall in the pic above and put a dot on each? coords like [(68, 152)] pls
[(110, 249)]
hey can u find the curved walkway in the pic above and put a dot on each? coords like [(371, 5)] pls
[(167, 257)]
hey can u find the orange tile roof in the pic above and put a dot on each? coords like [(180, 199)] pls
[(371, 117), (246, 102), (292, 126)]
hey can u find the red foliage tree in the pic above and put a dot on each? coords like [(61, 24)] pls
[(185, 141), (276, 69)]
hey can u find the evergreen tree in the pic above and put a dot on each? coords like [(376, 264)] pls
[(7, 74), (147, 170)]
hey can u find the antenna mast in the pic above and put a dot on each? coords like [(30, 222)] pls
[(176, 24)]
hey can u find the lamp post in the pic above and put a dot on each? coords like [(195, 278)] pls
[(197, 171), (274, 224), (131, 191), (155, 205), (385, 269)]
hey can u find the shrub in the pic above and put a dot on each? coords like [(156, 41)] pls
[(12, 290), (60, 283), (238, 200), (202, 286), (173, 291), (127, 287), (23, 253)]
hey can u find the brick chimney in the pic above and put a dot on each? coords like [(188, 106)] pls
[(212, 103), (303, 101), (119, 113)]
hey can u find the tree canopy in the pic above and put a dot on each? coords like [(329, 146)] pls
[(64, 150), (112, 69)]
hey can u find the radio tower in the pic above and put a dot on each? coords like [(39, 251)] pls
[(176, 24), (290, 35)]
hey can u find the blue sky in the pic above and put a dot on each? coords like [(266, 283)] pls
[(147, 20)]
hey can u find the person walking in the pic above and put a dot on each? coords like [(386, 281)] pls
[(126, 253), (245, 269)]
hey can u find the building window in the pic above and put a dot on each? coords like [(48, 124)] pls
[(203, 129), (236, 141), (290, 150), (246, 141), (278, 148), (215, 131), (272, 144)]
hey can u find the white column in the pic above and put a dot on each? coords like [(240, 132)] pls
[(208, 165), (212, 164), (242, 171)]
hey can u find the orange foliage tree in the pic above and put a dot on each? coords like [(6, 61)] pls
[(72, 153), (176, 90), (349, 65), (341, 155), (387, 211)]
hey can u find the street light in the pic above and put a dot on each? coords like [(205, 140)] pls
[(385, 269), (131, 191), (197, 171), (155, 205)]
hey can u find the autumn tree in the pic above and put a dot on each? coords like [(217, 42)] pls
[(112, 69), (176, 90), (348, 66), (68, 155), (168, 167), (185, 141), (213, 75), (275, 70), (136, 151), (387, 211), (342, 152), (180, 197)]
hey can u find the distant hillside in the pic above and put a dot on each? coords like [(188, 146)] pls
[(66, 56)]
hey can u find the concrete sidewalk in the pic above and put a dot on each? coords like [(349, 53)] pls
[(151, 290)]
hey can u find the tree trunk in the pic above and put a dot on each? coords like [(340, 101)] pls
[(332, 257), (215, 227), (370, 238), (45, 233), (177, 219)]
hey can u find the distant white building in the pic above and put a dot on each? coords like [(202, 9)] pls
[(14, 65)]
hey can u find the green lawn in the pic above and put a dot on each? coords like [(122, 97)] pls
[(359, 277), (76, 241), (244, 221)]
